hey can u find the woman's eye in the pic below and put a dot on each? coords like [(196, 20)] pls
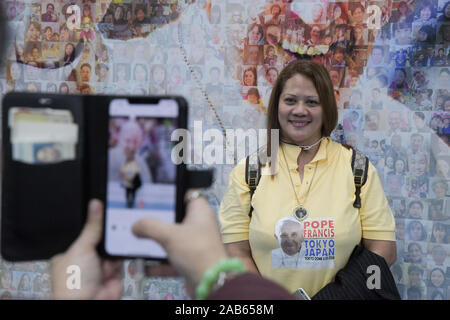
[(289, 101), (312, 102)]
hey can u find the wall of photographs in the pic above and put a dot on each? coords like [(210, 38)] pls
[(390, 66)]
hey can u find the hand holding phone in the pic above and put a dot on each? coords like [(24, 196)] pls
[(190, 258), (100, 279)]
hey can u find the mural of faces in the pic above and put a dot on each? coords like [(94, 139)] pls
[(390, 73)]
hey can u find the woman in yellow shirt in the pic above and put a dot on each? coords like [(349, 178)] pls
[(303, 226)]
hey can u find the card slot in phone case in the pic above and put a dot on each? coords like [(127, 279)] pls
[(61, 219)]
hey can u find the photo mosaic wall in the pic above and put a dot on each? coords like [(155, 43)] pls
[(389, 62)]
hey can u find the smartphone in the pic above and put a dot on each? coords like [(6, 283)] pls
[(301, 294), (142, 178)]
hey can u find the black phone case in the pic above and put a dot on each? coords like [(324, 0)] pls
[(44, 206)]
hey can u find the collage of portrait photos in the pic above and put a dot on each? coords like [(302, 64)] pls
[(389, 62)]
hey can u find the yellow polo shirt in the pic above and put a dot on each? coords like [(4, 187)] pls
[(332, 228)]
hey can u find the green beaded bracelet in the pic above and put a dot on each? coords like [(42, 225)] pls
[(212, 274)]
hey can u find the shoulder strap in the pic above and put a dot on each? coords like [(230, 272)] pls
[(360, 166), (252, 174)]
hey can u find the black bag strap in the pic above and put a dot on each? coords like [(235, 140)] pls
[(360, 166)]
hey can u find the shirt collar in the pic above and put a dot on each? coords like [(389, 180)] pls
[(292, 152)]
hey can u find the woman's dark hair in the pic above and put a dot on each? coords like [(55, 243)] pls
[(322, 82)]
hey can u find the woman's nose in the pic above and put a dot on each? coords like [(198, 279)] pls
[(300, 108)]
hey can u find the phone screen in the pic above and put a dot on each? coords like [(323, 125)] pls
[(141, 174)]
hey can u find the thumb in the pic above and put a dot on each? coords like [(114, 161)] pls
[(154, 229), (92, 231)]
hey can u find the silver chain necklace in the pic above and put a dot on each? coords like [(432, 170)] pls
[(306, 147), (310, 146), (299, 211)]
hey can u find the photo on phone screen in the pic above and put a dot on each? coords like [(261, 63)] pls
[(141, 175)]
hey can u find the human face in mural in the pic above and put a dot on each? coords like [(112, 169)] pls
[(33, 33), (418, 164), (439, 189), (140, 74), (439, 233), (415, 211), (337, 12), (276, 10), (438, 253), (399, 77), (273, 34), (425, 14), (403, 36), (335, 77), (252, 99), (377, 56), (159, 75), (271, 76), (69, 49), (415, 252), (254, 35), (437, 277), (118, 14), (358, 16), (270, 52), (395, 120), (416, 231), (85, 74), (416, 143), (415, 278), (315, 35), (249, 78)]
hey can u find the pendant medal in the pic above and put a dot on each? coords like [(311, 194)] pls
[(300, 213)]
